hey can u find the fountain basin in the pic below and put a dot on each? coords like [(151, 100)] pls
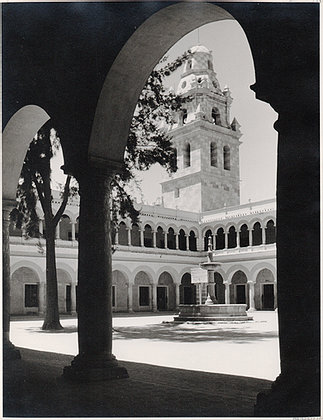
[(216, 312)]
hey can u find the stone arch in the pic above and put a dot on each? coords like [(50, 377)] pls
[(165, 279), (265, 290), (121, 89), (220, 238), (239, 288), (65, 228), (122, 233), (16, 137), (171, 238), (187, 290), (142, 291), (192, 241)]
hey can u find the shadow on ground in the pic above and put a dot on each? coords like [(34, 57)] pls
[(34, 387), (189, 332)]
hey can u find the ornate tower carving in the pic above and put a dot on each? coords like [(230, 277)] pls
[(207, 143)]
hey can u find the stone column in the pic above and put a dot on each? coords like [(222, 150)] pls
[(251, 296), (57, 231), (177, 295), (130, 298), (9, 350), (73, 230), (154, 297), (263, 235), (176, 241), (129, 236), (227, 293), (41, 226), (165, 239), (250, 237), (238, 238), (154, 238), (73, 298), (226, 240), (116, 237), (187, 238), (141, 237), (95, 360)]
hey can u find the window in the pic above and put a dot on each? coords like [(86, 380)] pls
[(257, 234), (182, 240), (226, 158), (244, 236), (144, 296), (213, 155), (232, 237), (160, 238), (171, 241), (220, 239), (135, 235), (209, 65), (148, 236), (31, 296), (189, 64), (122, 234), (184, 116), (270, 232), (177, 192), (216, 116), (192, 241), (187, 156), (208, 234)]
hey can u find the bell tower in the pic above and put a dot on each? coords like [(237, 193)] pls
[(206, 142)]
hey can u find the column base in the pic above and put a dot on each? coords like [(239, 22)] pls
[(92, 369), (10, 352), (251, 310), (291, 395)]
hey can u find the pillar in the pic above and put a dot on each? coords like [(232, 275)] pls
[(130, 298), (154, 297), (9, 350), (226, 240), (251, 296), (227, 293), (177, 295), (263, 235), (141, 232), (95, 360), (165, 239), (129, 236), (250, 237), (154, 238), (238, 238), (116, 237), (73, 230), (187, 239), (176, 240)]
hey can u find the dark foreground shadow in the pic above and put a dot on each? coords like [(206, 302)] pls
[(33, 387)]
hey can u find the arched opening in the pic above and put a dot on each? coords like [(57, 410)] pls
[(119, 291), (187, 291), (232, 237), (184, 116), (244, 236), (270, 232), (160, 238), (187, 156), (239, 288), (208, 235), (65, 228), (213, 154), (192, 241), (135, 235), (182, 240), (142, 292), (220, 239), (148, 236), (257, 234), (122, 234), (265, 290), (165, 292), (226, 158), (216, 118), (171, 239), (219, 288), (25, 292)]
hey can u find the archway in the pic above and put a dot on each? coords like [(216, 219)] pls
[(239, 288), (265, 290), (142, 292), (187, 290), (165, 292), (26, 294)]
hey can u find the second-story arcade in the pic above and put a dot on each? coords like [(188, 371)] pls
[(206, 141)]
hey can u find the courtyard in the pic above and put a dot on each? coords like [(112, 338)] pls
[(249, 349)]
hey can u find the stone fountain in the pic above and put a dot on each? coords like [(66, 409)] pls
[(211, 310)]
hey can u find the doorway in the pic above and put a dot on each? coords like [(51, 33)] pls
[(68, 298), (268, 297), (240, 293), (162, 298)]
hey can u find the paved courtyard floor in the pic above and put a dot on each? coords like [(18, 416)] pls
[(247, 349)]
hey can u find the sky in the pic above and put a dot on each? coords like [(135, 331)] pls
[(233, 64)]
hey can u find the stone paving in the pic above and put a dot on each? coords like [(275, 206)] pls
[(177, 378), (238, 348)]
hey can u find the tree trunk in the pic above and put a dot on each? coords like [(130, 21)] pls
[(51, 321)]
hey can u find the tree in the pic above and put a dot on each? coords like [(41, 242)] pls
[(35, 184), (148, 143)]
